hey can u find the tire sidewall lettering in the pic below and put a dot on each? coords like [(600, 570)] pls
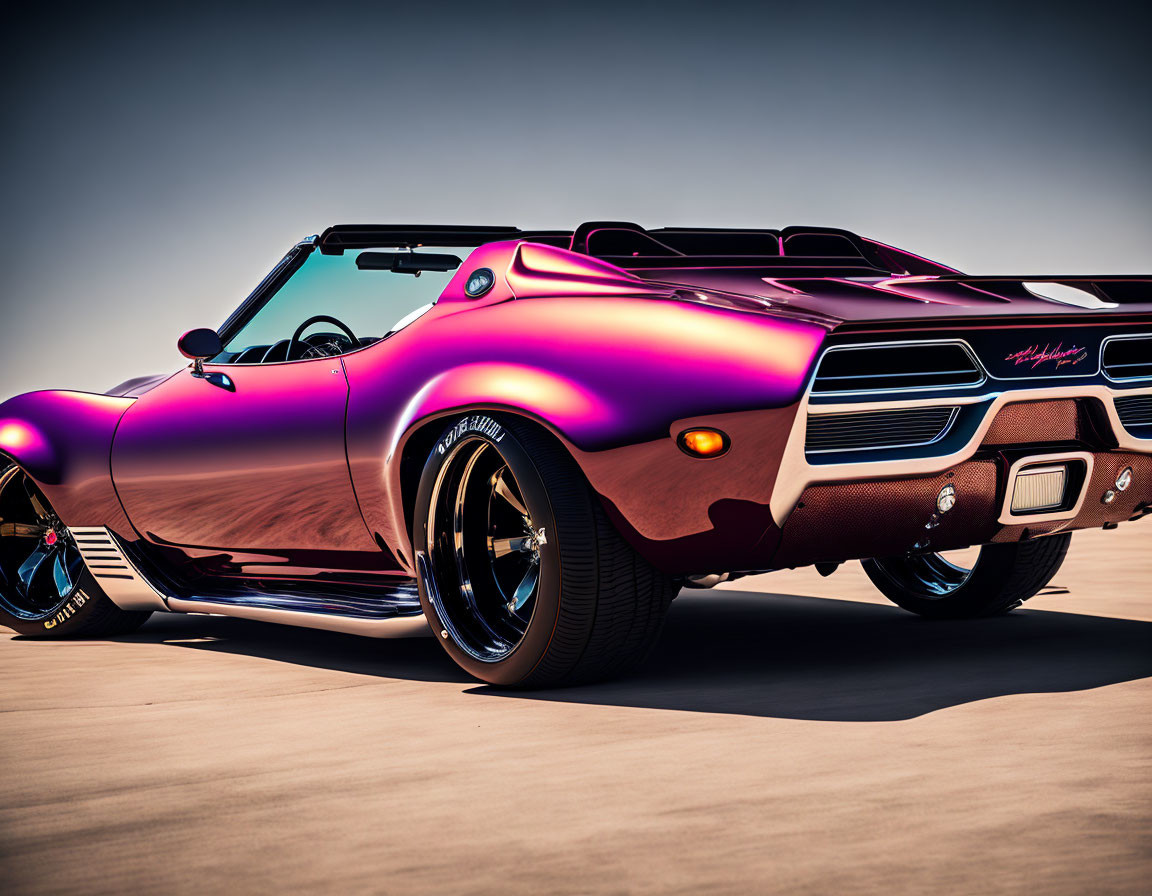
[(66, 612), (523, 659), (481, 424)]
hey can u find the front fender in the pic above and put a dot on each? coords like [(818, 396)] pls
[(63, 441)]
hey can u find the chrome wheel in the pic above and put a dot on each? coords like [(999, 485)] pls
[(931, 576), (486, 548), (40, 564)]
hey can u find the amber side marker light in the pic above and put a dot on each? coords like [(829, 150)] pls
[(703, 442)]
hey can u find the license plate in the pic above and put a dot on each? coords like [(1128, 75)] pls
[(1039, 488)]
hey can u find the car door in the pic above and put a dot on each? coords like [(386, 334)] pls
[(244, 471)]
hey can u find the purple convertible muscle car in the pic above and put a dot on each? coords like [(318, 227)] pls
[(535, 438)]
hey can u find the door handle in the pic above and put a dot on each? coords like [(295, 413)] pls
[(220, 380)]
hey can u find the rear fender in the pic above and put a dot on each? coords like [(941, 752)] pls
[(376, 457), (613, 379), (677, 511), (63, 441)]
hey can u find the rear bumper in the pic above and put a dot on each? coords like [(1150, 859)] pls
[(835, 521), (1083, 414), (875, 508)]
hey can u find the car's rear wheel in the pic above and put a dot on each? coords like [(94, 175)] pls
[(45, 589), (523, 579), (941, 586)]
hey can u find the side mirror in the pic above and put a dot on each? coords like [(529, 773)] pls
[(200, 345)]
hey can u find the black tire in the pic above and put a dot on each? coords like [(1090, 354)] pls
[(1004, 576), (596, 607), (34, 544)]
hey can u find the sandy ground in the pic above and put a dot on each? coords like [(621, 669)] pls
[(810, 739)]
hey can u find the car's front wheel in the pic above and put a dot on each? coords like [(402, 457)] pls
[(1002, 577), (523, 579), (46, 591)]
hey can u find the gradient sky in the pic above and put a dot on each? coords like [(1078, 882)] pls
[(157, 162)]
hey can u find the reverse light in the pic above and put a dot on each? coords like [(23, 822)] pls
[(703, 442)]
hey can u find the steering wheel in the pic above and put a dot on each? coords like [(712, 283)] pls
[(294, 342)]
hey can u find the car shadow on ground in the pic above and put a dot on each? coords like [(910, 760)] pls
[(772, 655), (414, 657)]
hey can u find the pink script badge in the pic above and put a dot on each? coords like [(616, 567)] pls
[(1035, 356)]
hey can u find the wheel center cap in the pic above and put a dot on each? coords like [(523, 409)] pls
[(51, 538)]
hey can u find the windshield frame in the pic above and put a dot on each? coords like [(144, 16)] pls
[(267, 290)]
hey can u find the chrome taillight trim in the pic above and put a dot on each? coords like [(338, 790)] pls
[(918, 343), (1123, 338)]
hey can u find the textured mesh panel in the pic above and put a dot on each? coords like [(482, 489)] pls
[(880, 518), (1037, 421), (883, 518), (1107, 467)]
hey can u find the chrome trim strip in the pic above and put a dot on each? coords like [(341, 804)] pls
[(1128, 379), (392, 627), (116, 575), (986, 376), (896, 404), (130, 590), (1008, 518)]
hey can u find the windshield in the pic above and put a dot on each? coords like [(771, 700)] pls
[(370, 303)]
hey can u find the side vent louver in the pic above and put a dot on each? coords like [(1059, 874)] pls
[(1136, 415), (102, 554), (896, 368), (114, 572), (872, 430), (1128, 358)]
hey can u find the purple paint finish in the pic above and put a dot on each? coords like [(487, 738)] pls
[(251, 480), (62, 440), (532, 270), (605, 373), (269, 476)]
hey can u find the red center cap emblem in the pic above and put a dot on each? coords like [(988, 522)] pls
[(51, 538)]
